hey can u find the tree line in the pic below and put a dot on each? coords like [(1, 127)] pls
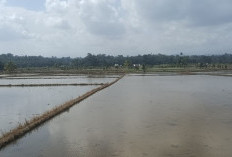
[(103, 60)]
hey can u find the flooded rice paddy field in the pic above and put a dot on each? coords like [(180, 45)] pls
[(6, 80), (20, 103), (155, 116)]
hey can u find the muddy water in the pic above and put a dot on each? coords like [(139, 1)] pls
[(18, 103), (160, 116)]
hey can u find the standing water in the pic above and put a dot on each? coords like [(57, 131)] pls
[(155, 116), (23, 103), (54, 80)]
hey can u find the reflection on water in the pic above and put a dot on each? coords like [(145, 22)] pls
[(170, 116), (18, 103)]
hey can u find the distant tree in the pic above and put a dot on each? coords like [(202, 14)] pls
[(126, 64), (182, 60), (144, 68), (185, 60), (102, 60), (77, 62), (1, 66), (10, 67), (90, 60)]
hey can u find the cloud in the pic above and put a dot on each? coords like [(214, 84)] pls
[(57, 22), (77, 27), (11, 34), (102, 17), (56, 5), (197, 12), (210, 12)]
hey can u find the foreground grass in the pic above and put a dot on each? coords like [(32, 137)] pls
[(22, 129)]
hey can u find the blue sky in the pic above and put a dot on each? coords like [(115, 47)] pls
[(27, 4), (115, 27)]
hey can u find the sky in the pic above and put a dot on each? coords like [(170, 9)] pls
[(74, 28)]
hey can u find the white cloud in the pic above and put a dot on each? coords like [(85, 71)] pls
[(103, 18), (77, 27), (56, 5), (198, 12)]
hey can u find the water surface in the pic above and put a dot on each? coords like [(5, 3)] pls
[(55, 80), (159, 116), (20, 103)]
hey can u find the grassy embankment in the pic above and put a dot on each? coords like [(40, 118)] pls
[(29, 125)]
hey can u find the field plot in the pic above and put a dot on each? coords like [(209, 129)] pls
[(20, 103), (171, 116), (55, 79)]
